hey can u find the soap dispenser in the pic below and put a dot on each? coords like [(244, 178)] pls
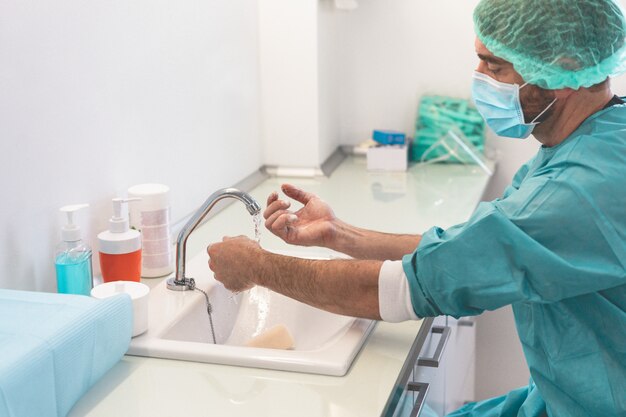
[(120, 247), (73, 257)]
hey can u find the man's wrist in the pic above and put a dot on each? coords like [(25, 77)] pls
[(341, 237), (264, 268)]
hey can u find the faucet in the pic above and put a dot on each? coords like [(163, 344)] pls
[(179, 282)]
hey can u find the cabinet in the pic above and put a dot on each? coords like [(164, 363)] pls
[(430, 366), (438, 377), (459, 366)]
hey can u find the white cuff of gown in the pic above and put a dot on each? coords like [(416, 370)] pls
[(394, 294)]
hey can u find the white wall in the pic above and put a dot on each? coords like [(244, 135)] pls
[(299, 44), (330, 61), (395, 52), (288, 68), (99, 96)]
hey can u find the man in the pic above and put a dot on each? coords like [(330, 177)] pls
[(554, 246)]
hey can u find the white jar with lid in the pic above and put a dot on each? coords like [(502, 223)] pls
[(151, 216), (138, 293)]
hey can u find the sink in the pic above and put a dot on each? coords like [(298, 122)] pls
[(179, 328)]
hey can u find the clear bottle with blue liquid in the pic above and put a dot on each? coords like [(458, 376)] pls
[(73, 258)]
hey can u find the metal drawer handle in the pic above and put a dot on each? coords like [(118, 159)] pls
[(436, 359), (465, 323), (422, 389)]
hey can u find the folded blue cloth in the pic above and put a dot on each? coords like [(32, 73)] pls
[(54, 347)]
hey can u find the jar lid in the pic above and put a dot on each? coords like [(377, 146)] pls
[(134, 289), (153, 196)]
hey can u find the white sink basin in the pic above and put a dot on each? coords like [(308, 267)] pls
[(179, 328)]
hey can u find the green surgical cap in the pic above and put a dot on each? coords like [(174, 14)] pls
[(555, 43)]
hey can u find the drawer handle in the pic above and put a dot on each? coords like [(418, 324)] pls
[(436, 359), (422, 389), (465, 323)]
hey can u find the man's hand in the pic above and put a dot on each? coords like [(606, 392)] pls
[(312, 225), (235, 261)]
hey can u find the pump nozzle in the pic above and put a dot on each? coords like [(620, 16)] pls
[(119, 223), (71, 232)]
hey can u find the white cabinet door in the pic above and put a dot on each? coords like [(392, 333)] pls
[(431, 364), (459, 365), (444, 370)]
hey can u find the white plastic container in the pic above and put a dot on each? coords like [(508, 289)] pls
[(120, 247), (151, 216), (138, 293), (387, 158)]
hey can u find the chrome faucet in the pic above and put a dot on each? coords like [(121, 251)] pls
[(180, 283)]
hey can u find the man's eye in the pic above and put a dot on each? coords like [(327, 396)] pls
[(494, 70)]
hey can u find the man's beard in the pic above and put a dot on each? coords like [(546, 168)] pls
[(534, 101)]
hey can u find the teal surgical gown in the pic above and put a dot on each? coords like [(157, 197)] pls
[(554, 247)]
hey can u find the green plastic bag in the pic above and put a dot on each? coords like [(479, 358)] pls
[(436, 117)]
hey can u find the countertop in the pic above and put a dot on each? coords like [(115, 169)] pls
[(411, 202)]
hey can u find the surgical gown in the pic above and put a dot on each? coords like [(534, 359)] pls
[(554, 247)]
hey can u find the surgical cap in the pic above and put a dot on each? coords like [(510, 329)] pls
[(555, 43)]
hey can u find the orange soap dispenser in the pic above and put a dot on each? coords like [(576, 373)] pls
[(120, 247)]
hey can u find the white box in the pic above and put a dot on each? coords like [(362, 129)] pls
[(388, 158)]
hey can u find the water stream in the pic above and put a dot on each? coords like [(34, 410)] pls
[(258, 219), (255, 303)]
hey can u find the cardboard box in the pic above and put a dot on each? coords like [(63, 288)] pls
[(388, 158)]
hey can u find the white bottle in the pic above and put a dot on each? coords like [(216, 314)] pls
[(120, 247)]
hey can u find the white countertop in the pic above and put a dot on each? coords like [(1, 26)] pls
[(411, 202)]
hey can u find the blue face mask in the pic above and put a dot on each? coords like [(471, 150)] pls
[(500, 106)]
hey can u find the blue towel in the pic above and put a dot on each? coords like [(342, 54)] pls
[(54, 347)]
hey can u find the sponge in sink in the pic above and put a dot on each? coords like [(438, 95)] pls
[(54, 347), (276, 337)]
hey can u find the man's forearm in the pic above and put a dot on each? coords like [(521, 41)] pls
[(366, 244), (348, 287)]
